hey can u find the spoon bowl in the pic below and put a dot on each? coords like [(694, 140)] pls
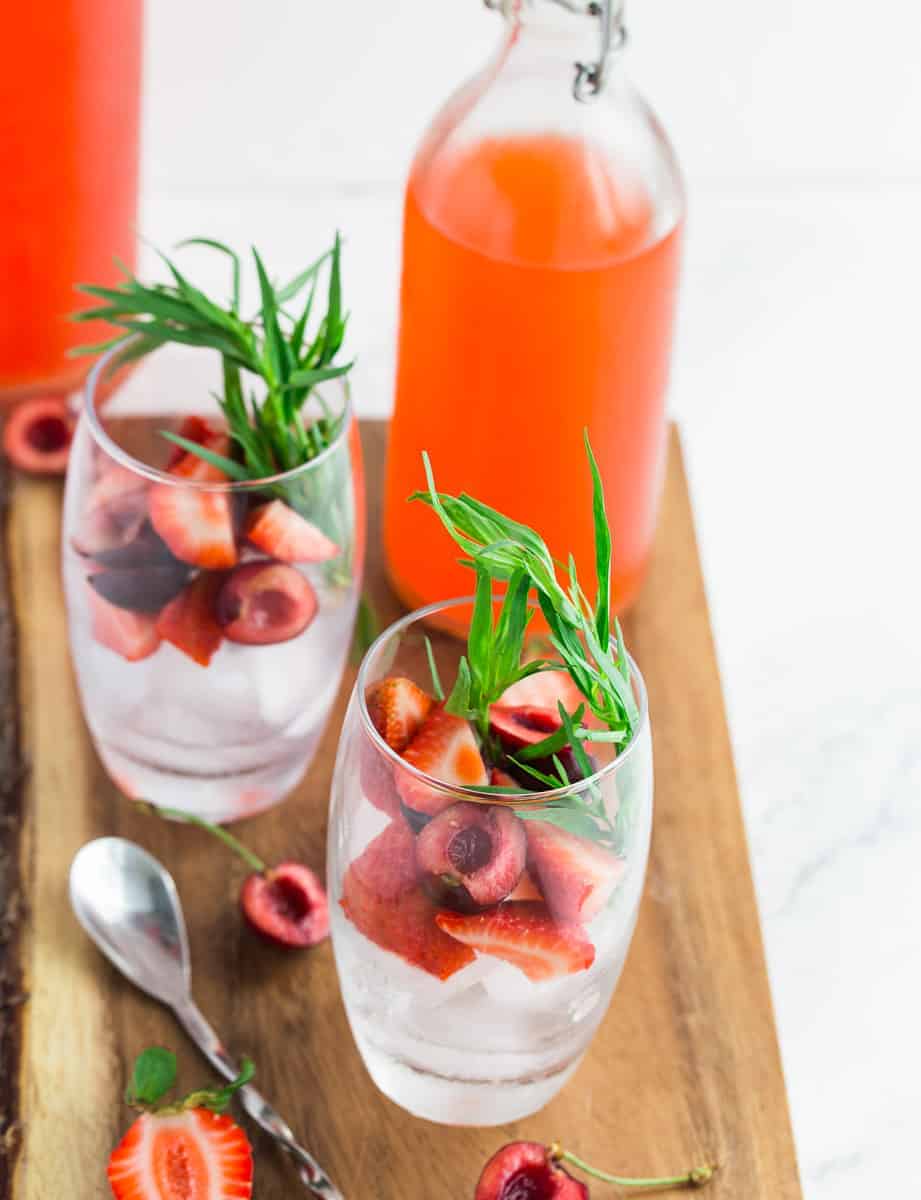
[(128, 904)]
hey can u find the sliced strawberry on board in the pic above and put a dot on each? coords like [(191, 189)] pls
[(191, 1155), (284, 534), (197, 525), (189, 623), (133, 635), (446, 749), (397, 708), (576, 875), (382, 898), (184, 1150), (524, 934)]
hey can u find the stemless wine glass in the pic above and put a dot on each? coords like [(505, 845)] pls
[(209, 619), (477, 1016)]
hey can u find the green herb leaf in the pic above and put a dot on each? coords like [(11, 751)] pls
[(227, 465), (458, 703), (500, 549), (154, 1075), (433, 670), (270, 435), (232, 254), (554, 743)]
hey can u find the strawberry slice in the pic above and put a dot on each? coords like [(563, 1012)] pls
[(527, 889), (196, 525), (397, 708), (133, 635), (446, 749), (382, 898), (193, 428), (188, 621), (576, 875), (376, 775), (188, 465), (284, 534), (524, 934), (191, 1155)]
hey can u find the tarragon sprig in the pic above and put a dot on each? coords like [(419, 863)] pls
[(269, 432), (590, 648)]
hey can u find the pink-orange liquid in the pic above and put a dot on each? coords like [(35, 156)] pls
[(69, 96), (537, 300)]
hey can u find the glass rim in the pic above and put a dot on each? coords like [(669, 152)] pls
[(155, 475), (479, 795)]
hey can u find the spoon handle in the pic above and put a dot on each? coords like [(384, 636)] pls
[(259, 1109)]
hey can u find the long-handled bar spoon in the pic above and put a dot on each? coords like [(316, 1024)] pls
[(128, 904)]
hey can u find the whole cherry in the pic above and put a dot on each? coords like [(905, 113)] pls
[(286, 904)]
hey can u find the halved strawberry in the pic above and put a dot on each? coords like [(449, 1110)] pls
[(576, 875), (133, 635), (188, 621), (197, 525), (446, 749), (284, 534), (382, 897), (191, 1155), (524, 934), (397, 708)]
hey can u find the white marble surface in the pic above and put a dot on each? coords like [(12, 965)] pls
[(797, 382)]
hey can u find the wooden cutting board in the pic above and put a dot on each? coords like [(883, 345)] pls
[(685, 1067)]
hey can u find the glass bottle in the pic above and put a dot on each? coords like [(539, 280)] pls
[(542, 243), (70, 73)]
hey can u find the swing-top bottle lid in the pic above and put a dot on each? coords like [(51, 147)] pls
[(590, 77)]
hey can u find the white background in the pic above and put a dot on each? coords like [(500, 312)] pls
[(797, 383)]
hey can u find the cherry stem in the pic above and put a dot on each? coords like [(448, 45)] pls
[(696, 1177), (175, 814)]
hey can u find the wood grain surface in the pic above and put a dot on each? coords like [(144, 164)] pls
[(685, 1068)]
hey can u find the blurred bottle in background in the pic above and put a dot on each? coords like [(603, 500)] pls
[(70, 74), (540, 268)]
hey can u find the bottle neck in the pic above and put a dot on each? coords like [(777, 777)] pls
[(591, 30)]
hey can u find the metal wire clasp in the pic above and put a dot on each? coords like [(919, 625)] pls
[(590, 77)]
